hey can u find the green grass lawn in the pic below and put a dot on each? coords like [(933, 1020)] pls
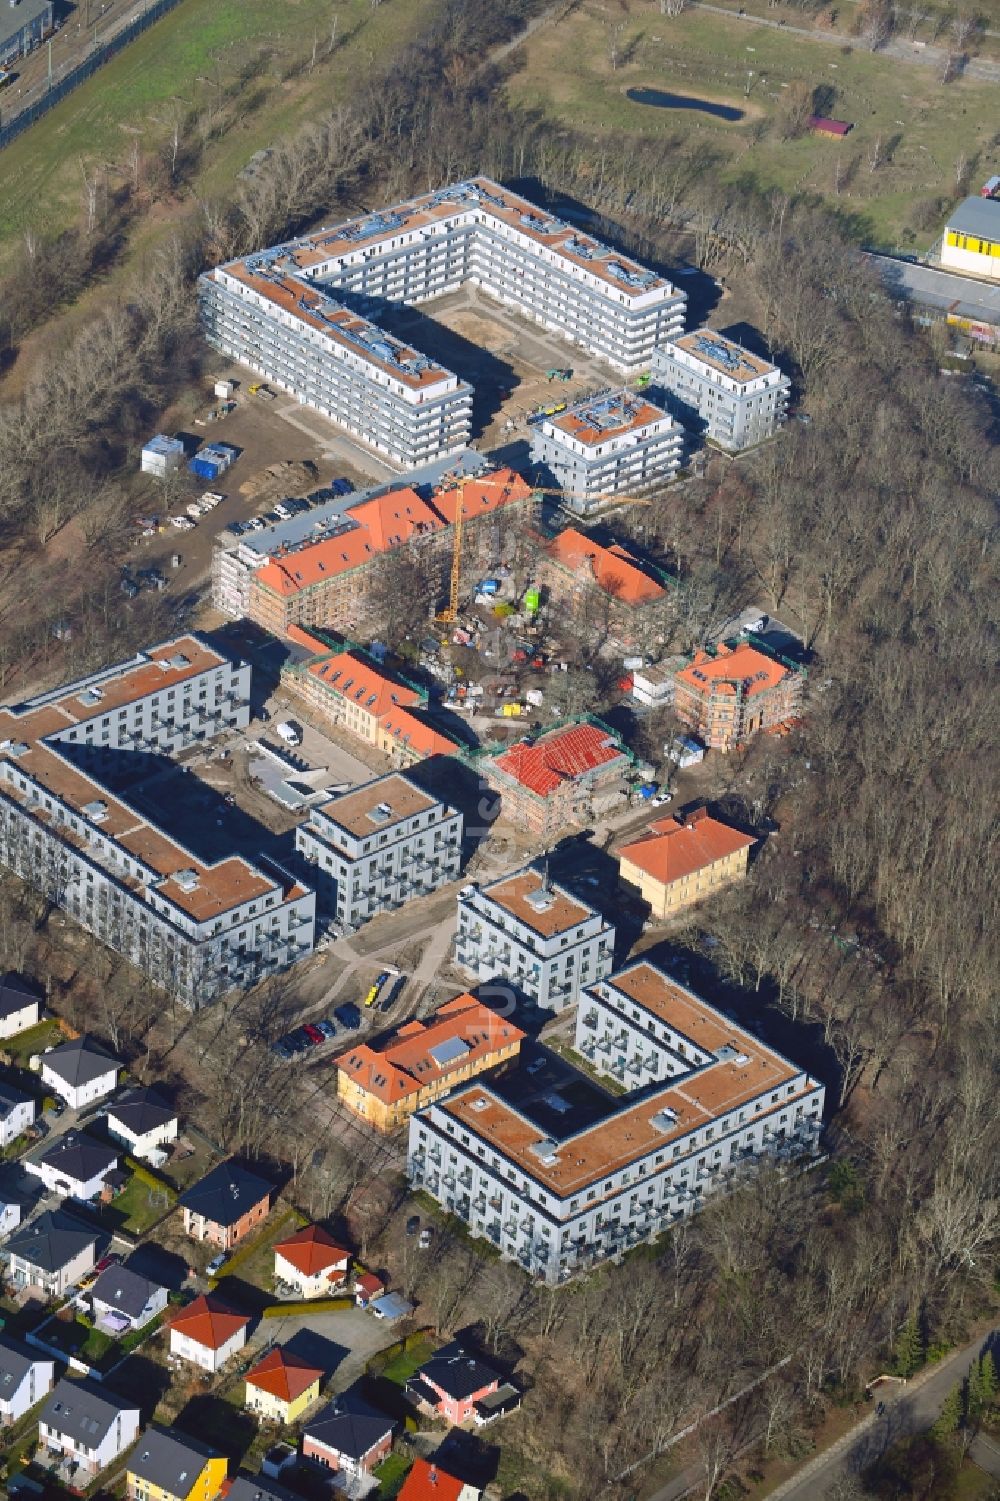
[(138, 1206), (922, 126), (36, 1039), (404, 1365), (185, 61), (253, 1262), (391, 1473)]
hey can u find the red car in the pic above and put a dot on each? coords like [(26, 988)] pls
[(313, 1033)]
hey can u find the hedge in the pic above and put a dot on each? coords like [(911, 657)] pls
[(307, 1305), (269, 1231)]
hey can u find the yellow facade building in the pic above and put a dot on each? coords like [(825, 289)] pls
[(971, 240), (281, 1387), (167, 1466), (424, 1060), (678, 861)]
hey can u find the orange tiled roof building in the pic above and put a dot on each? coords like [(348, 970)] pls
[(679, 860), (728, 697), (567, 776), (608, 584), (424, 1061)]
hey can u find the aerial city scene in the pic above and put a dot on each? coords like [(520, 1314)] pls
[(499, 765)]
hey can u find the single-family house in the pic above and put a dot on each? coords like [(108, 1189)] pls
[(80, 1072), (52, 1253), (124, 1299), (311, 1262), (143, 1121), (348, 1435), (17, 1111), (168, 1466), (427, 1481), (25, 1377), (208, 1332), (20, 1004), (676, 862), (451, 1384), (74, 1166), (88, 1426), (225, 1205), (282, 1386)]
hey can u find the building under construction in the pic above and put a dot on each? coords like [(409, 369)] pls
[(613, 444), (298, 313), (316, 570)]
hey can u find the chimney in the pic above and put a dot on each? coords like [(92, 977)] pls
[(433, 1474)]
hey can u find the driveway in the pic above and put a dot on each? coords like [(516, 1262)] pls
[(340, 1343)]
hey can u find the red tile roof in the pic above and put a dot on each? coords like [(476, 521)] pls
[(312, 1250), (384, 522), (672, 848), (562, 756), (283, 1375), (361, 682), (730, 666), (428, 1482), (369, 1283), (407, 1063), (209, 1322), (420, 738), (614, 569)]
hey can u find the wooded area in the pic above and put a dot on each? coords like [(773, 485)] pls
[(878, 521)]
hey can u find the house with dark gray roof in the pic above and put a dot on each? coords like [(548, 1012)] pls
[(348, 1435), (75, 1165), (25, 1377), (226, 1204), (80, 1071), (143, 1120), (124, 1299), (173, 1467), (52, 1253), (458, 1387), (258, 1488), (89, 1426), (21, 1004), (17, 1111)]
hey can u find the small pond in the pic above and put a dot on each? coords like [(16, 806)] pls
[(661, 100)]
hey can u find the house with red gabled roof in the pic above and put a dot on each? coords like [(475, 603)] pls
[(427, 1481), (570, 775), (677, 861), (367, 1287), (423, 1060), (281, 1386), (208, 1332), (311, 1263), (606, 588), (729, 695)]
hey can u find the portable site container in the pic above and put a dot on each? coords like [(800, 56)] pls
[(212, 460), (162, 455)]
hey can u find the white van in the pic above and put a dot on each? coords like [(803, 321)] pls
[(289, 732)]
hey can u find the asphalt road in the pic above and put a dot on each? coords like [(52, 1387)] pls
[(908, 1410)]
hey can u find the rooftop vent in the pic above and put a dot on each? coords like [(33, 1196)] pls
[(91, 696), (540, 900), (546, 1150), (96, 811), (381, 813), (13, 747), (730, 1053), (187, 880), (664, 1120), (479, 1104)]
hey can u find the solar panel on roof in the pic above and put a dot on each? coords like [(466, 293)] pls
[(448, 1051)]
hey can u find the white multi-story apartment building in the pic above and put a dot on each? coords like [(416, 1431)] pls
[(532, 933), (717, 387), (607, 445), (719, 1103), (377, 846), (196, 928), (294, 312)]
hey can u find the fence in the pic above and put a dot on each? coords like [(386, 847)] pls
[(99, 54)]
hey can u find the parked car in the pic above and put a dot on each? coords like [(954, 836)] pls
[(313, 1033), (112, 1259), (282, 1049), (661, 798), (413, 1224), (348, 1015), (426, 1236), (216, 1264), (328, 1028), (299, 1041)]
